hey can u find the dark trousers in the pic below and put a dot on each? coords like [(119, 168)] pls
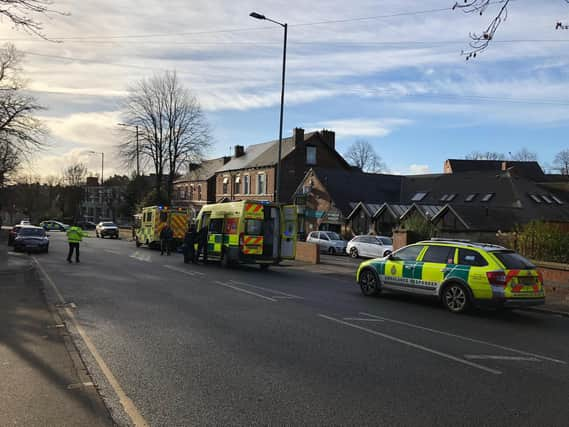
[(202, 250), (164, 246), (73, 247), (189, 254)]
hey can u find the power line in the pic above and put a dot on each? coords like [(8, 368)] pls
[(246, 29)]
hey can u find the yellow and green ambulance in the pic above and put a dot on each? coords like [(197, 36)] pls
[(249, 232), (461, 274), (152, 219)]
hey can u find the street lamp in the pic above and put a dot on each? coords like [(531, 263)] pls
[(285, 26), (102, 162), (137, 149)]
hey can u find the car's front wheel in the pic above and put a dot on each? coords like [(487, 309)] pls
[(386, 253), (354, 253), (455, 298), (369, 283)]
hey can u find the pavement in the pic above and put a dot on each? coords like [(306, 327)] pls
[(170, 344), (43, 381)]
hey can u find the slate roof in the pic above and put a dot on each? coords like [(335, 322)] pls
[(204, 171), (347, 186), (262, 155), (530, 169)]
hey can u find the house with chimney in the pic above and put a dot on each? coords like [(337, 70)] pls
[(251, 172), (197, 187)]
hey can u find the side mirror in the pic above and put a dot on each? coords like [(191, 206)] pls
[(47, 235)]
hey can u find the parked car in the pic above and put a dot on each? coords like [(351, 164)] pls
[(369, 246), (328, 241), (25, 222), (87, 225), (13, 233), (461, 274), (52, 225), (104, 229), (31, 239)]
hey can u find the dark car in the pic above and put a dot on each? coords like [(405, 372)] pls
[(13, 233), (87, 225), (31, 239)]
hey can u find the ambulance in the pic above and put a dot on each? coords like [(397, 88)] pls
[(152, 219), (461, 274), (249, 232)]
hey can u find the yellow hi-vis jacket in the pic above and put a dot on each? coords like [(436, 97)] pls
[(74, 234)]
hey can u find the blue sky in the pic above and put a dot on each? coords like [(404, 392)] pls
[(398, 82)]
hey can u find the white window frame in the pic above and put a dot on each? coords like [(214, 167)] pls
[(259, 175)]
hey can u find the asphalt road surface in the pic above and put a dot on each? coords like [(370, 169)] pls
[(199, 345)]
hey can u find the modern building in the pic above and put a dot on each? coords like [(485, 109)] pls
[(101, 203)]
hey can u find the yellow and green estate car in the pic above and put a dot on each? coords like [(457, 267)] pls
[(461, 274)]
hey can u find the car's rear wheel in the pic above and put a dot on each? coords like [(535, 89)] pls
[(331, 251), (354, 253), (369, 283), (386, 253), (456, 298)]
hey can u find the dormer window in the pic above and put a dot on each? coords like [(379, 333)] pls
[(535, 198), (310, 155), (419, 196), (487, 197), (557, 200), (448, 197), (471, 197), (546, 199)]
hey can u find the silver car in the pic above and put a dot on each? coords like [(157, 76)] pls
[(328, 241), (369, 246)]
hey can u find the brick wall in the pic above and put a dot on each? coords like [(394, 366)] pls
[(556, 279), (253, 194), (307, 252)]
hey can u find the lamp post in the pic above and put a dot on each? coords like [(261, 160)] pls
[(285, 26), (102, 162), (137, 147)]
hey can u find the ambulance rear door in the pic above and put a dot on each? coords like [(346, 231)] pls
[(288, 231)]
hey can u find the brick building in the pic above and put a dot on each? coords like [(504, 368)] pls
[(251, 173)]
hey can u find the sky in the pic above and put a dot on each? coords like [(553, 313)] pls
[(389, 72)]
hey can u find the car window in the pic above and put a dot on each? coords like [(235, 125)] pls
[(109, 224), (513, 260), (333, 236), (439, 254), (386, 240), (34, 232), (409, 253), (470, 257), (323, 236)]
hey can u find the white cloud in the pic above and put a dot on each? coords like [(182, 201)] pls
[(419, 169), (363, 127)]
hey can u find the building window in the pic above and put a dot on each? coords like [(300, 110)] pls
[(199, 192), (237, 185), (471, 197), (557, 200), (246, 187), (191, 191), (310, 155), (261, 183), (487, 197), (535, 198), (418, 196), (451, 197), (546, 199), (225, 185)]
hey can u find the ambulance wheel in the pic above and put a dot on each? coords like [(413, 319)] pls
[(369, 283), (354, 253), (456, 298)]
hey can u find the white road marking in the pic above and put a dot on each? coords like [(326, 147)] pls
[(413, 345), (185, 271), (448, 334), (228, 285), (362, 319), (111, 251), (141, 256), (80, 385), (283, 295), (495, 357), (128, 405)]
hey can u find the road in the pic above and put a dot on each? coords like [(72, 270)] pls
[(199, 345)]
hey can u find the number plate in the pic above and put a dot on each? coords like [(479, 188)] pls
[(527, 281)]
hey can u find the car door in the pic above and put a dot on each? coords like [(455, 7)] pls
[(400, 273), (376, 247), (436, 261), (324, 241)]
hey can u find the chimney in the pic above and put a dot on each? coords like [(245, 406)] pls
[(239, 151), (298, 136), (329, 138), (504, 166)]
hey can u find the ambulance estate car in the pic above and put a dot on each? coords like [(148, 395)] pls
[(461, 274)]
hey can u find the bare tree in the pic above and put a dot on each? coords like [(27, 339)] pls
[(362, 155), (23, 13), (524, 155), (561, 162), (21, 134), (9, 161), (480, 41), (173, 130), (488, 155), (74, 175)]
